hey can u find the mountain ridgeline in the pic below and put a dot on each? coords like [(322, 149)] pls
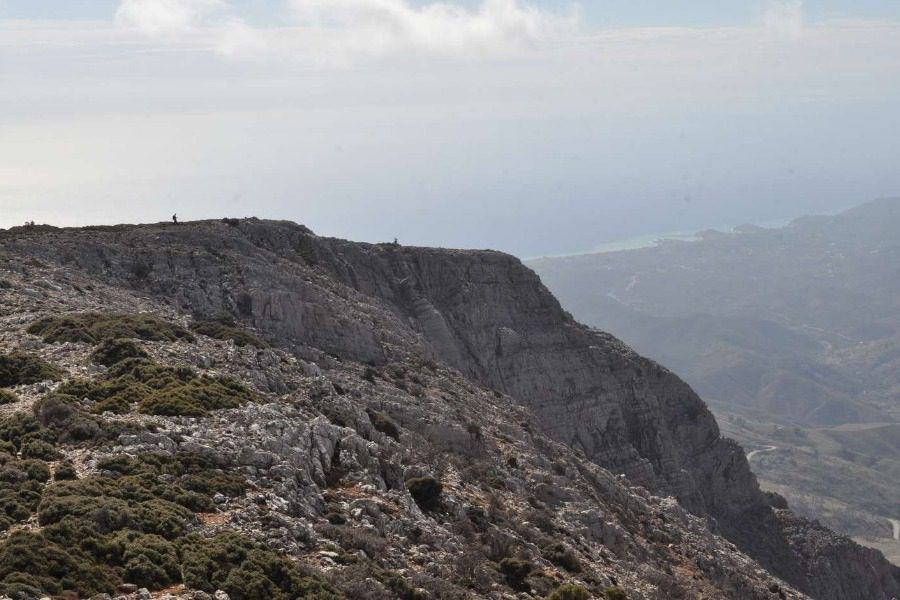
[(489, 317)]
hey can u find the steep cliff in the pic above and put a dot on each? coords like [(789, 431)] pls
[(488, 316)]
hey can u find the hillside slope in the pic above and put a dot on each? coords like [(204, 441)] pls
[(343, 306), (791, 336)]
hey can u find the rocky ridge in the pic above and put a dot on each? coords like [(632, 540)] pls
[(480, 368)]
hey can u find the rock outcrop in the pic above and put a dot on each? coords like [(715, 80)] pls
[(486, 315)]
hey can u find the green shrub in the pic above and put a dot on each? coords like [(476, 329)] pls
[(61, 420), (225, 329), (92, 328), (384, 423), (515, 569), (151, 561), (36, 448), (562, 556), (569, 591), (31, 563), (21, 482), (615, 593), (158, 390), (19, 427), (7, 397), (246, 570), (150, 494), (19, 368), (191, 472), (83, 535), (54, 409), (398, 584), (110, 352), (65, 471), (426, 491), (196, 398), (36, 470), (114, 505), (116, 405), (133, 525)]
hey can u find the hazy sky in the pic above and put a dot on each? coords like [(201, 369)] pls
[(533, 127)]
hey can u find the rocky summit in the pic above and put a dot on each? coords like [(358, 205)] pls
[(242, 409)]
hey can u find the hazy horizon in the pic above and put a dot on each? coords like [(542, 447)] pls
[(536, 128)]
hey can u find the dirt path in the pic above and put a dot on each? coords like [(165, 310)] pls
[(896, 525), (750, 455)]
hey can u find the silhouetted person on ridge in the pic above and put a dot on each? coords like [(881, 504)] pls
[(175, 219)]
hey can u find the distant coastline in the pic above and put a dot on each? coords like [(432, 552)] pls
[(654, 239)]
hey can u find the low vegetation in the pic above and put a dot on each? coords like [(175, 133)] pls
[(562, 556), (426, 491), (7, 397), (158, 390), (614, 593), (384, 423), (56, 419), (32, 565), (92, 328), (247, 570), (569, 591), (111, 352), (21, 482), (65, 471), (226, 329), (22, 368), (129, 523)]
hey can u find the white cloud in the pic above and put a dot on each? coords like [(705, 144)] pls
[(344, 32), (784, 17), (164, 17)]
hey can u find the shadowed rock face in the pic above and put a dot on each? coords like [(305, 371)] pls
[(489, 316)]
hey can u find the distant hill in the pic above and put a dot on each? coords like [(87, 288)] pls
[(779, 329)]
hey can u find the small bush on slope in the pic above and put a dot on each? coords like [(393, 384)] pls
[(129, 524), (158, 390), (7, 397), (562, 556), (92, 328), (226, 330), (569, 591), (65, 471), (151, 561), (247, 571), (191, 471), (21, 482), (426, 491), (32, 565), (516, 570), (19, 368), (36, 436), (384, 423), (615, 593), (56, 419), (110, 352)]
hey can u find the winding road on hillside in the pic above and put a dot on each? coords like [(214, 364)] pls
[(750, 455)]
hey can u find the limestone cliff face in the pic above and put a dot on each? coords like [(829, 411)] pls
[(490, 317), (487, 315)]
